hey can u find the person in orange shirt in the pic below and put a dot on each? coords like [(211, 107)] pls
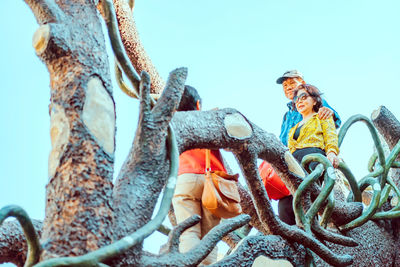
[(190, 184)]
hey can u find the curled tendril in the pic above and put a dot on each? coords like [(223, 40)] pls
[(117, 46), (371, 162), (121, 83), (298, 209), (34, 247), (326, 192), (355, 193), (394, 212), (329, 182), (326, 215), (375, 138), (372, 207)]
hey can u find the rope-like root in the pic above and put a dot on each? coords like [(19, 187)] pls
[(34, 247)]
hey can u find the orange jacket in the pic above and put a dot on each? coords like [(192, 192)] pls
[(194, 161)]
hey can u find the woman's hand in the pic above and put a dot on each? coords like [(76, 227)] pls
[(333, 159)]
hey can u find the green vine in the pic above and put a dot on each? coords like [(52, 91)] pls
[(34, 247)]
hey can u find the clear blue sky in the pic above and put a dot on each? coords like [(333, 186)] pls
[(234, 51)]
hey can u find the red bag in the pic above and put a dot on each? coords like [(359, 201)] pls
[(276, 189)]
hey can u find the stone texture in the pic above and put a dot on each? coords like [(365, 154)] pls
[(98, 114), (237, 126), (59, 134)]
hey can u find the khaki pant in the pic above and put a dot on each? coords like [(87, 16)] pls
[(187, 202)]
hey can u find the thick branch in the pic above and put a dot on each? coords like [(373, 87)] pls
[(174, 235), (248, 208), (51, 41), (332, 237), (194, 256), (171, 96), (208, 130), (387, 124), (116, 44), (230, 239), (249, 168), (274, 247), (389, 127), (140, 179), (134, 49), (45, 11)]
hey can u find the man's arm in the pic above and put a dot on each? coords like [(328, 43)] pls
[(326, 111), (284, 133)]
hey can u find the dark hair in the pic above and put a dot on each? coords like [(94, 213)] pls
[(189, 99), (313, 92)]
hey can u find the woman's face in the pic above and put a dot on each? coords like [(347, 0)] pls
[(304, 102)]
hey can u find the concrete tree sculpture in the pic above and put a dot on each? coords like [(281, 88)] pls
[(91, 221)]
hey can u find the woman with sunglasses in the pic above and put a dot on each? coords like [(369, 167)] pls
[(310, 135)]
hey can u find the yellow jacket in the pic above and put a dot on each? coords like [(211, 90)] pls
[(315, 133)]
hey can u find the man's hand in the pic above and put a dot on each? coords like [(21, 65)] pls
[(325, 113), (333, 159)]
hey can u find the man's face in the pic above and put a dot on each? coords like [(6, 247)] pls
[(289, 85)]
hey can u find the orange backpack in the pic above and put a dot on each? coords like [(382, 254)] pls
[(276, 189)]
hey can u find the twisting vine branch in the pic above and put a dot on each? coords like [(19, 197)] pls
[(382, 187), (375, 138), (355, 193), (34, 247), (329, 182), (297, 207), (248, 165), (116, 44)]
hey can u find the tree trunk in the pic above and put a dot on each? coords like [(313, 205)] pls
[(70, 42)]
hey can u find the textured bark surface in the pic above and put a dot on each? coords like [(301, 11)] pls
[(13, 246), (134, 48), (85, 212), (387, 124), (271, 246), (377, 246), (389, 127), (78, 208), (141, 180)]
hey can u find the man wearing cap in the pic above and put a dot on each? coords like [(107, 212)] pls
[(290, 80)]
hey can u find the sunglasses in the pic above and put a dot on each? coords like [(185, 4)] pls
[(300, 97)]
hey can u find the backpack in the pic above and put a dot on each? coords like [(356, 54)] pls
[(275, 187)]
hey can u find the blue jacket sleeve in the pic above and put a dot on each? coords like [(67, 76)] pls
[(336, 116), (283, 134)]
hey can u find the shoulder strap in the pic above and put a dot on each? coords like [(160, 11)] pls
[(208, 164)]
